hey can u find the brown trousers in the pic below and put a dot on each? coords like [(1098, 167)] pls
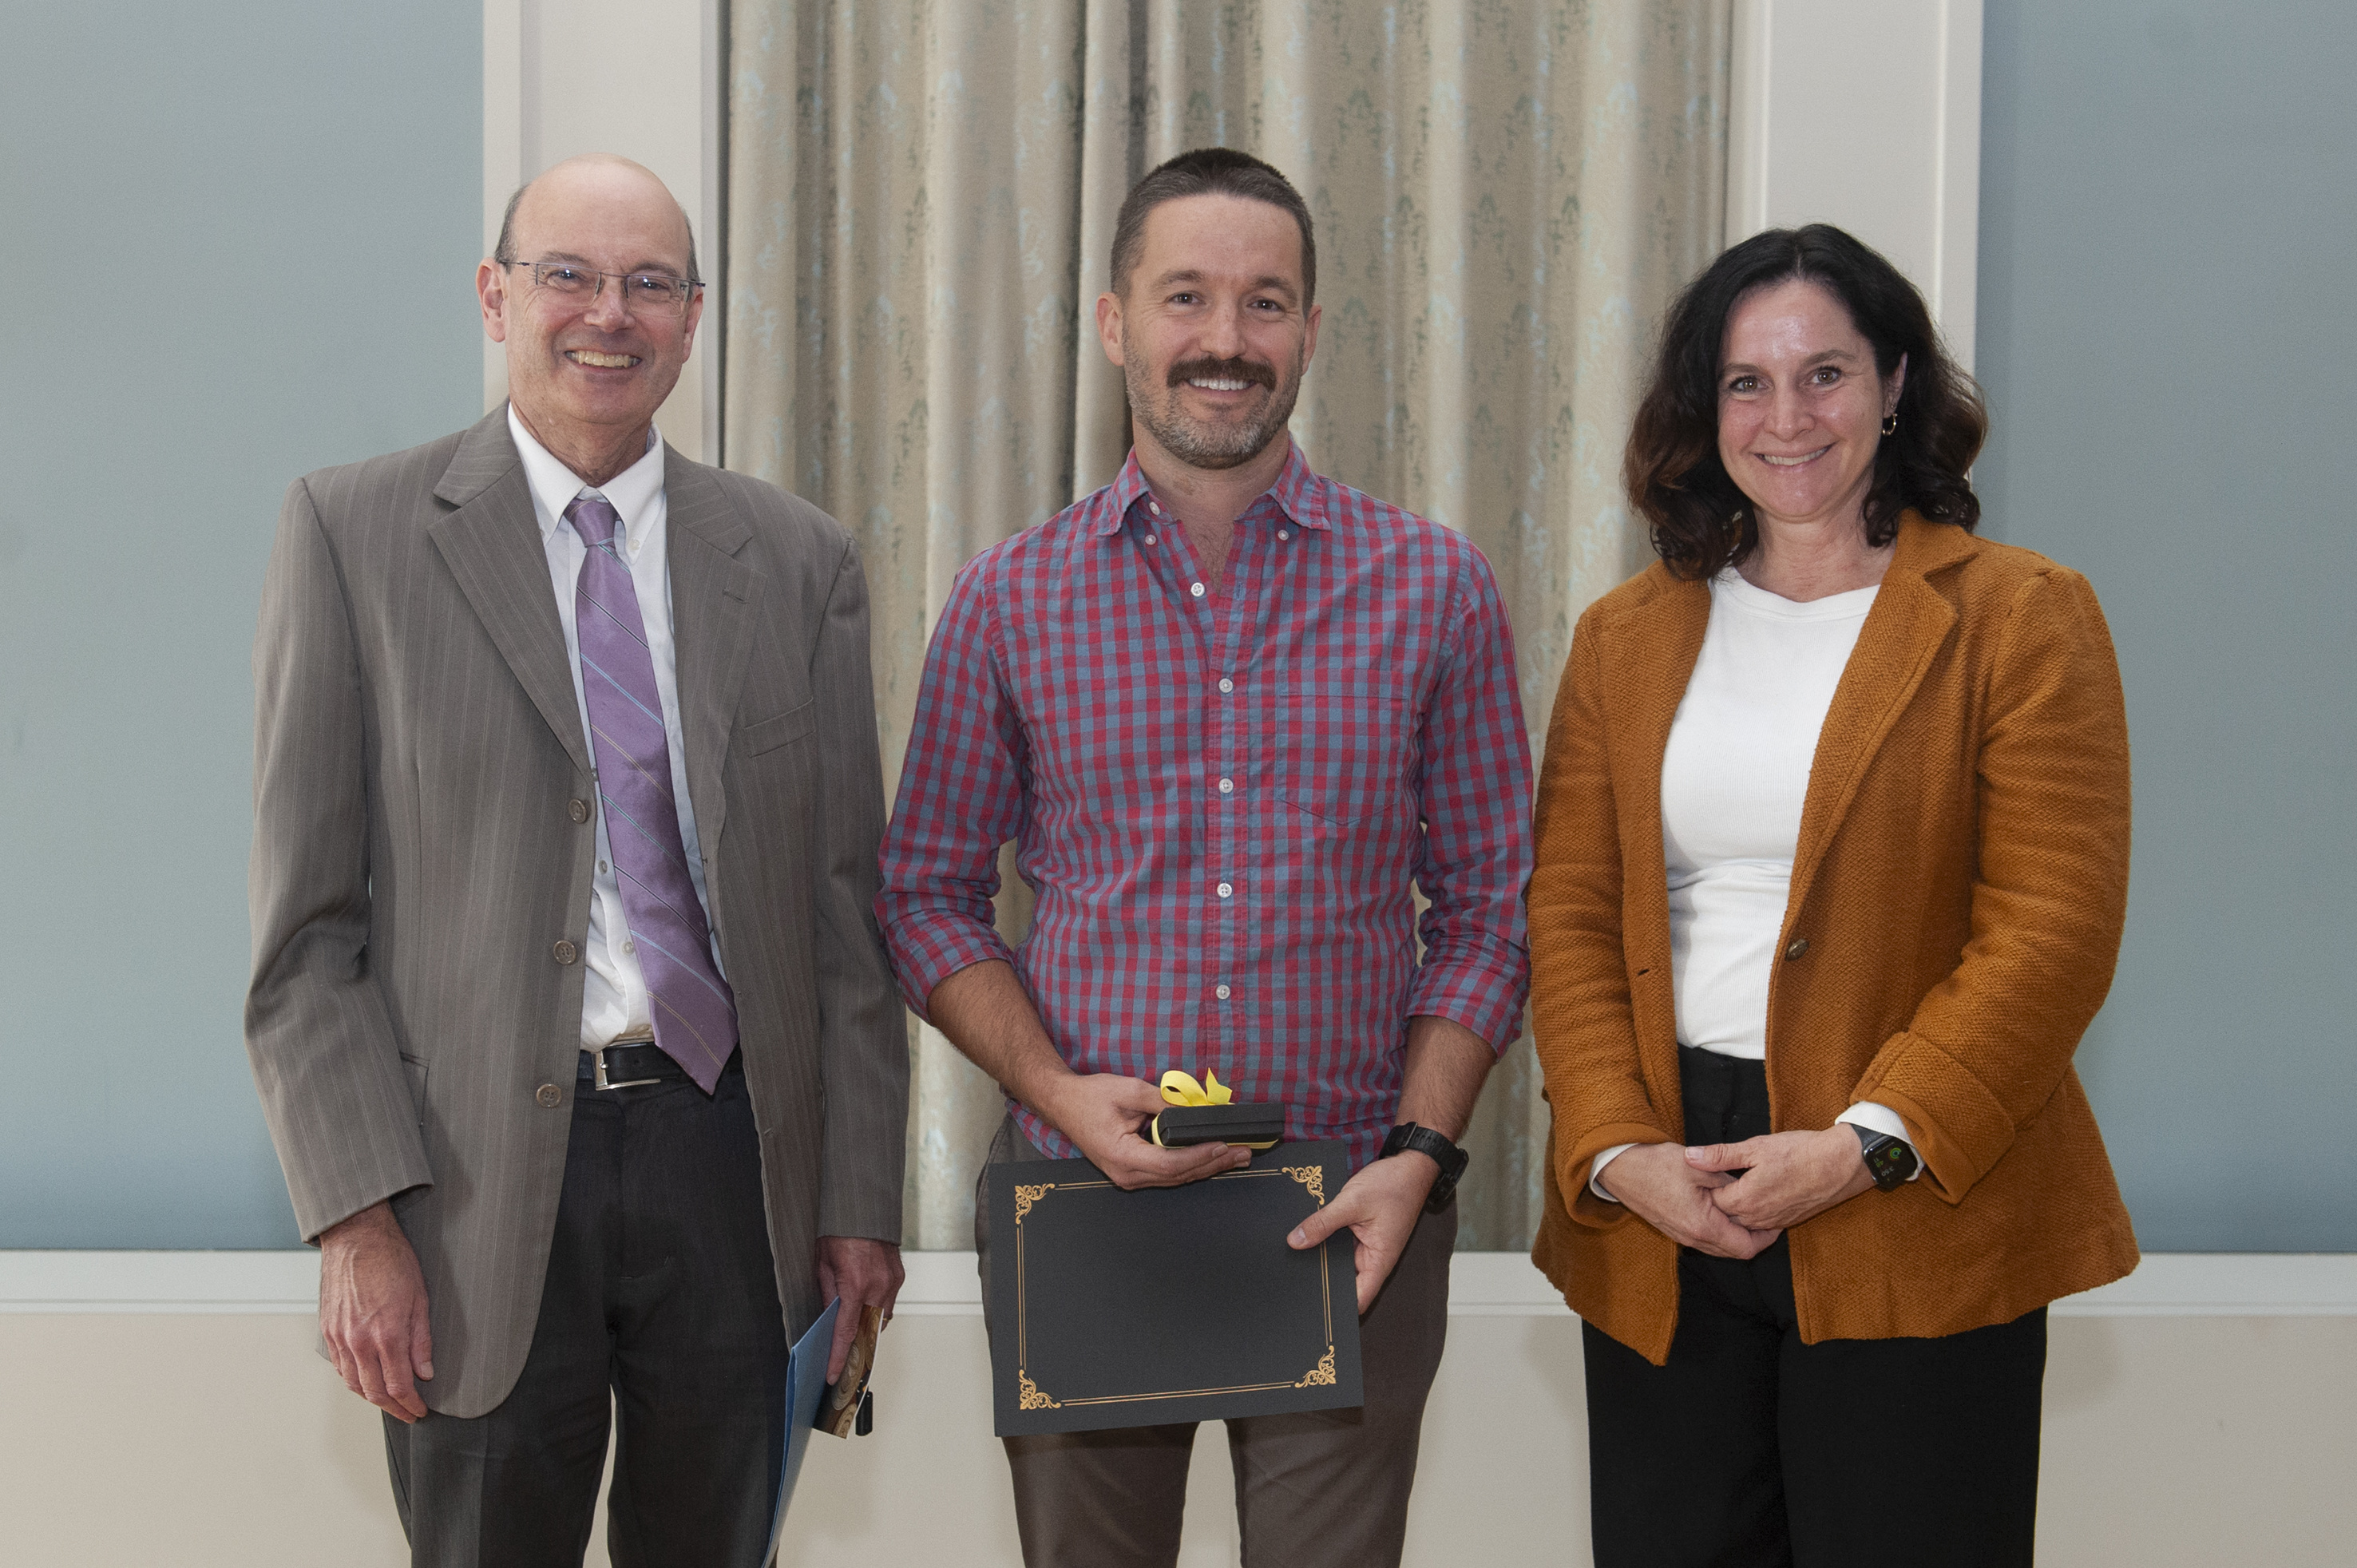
[(1325, 1487)]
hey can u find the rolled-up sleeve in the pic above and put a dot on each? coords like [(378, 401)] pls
[(960, 798), (1475, 858)]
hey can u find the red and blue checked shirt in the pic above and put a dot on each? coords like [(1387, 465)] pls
[(1220, 797)]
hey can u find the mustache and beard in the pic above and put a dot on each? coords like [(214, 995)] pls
[(1209, 442)]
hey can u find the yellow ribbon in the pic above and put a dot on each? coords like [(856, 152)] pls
[(1180, 1089)]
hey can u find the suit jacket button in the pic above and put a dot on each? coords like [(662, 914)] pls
[(565, 952), (548, 1094), (1800, 945), (578, 811)]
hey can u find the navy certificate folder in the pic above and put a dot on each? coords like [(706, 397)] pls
[(1113, 1309)]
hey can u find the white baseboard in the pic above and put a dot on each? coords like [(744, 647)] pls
[(943, 1284)]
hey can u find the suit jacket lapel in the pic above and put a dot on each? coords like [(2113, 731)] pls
[(1903, 633), (1648, 657), (714, 597), (493, 547)]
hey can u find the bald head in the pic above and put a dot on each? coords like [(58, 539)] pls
[(597, 178), (583, 292)]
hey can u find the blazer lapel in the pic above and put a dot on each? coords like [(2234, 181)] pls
[(1902, 634), (1648, 655), (493, 545), (714, 597)]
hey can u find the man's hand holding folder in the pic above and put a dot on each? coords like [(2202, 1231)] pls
[(1446, 1065)]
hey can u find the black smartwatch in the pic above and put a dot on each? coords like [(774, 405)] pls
[(1447, 1155), (1890, 1161)]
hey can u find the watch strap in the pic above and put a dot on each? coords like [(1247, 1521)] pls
[(1436, 1147), (1892, 1162)]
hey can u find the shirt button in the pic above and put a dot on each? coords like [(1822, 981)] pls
[(1149, 539), (1196, 589), (1284, 534), (1227, 786), (628, 945), (1155, 508), (1226, 685), (578, 811), (1800, 945), (565, 952), (548, 1094), (1221, 992), (1224, 890), (601, 868)]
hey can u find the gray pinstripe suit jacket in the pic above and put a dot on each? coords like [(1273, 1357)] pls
[(416, 862)]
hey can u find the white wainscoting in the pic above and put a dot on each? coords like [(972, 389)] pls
[(168, 1407), (1482, 1285)]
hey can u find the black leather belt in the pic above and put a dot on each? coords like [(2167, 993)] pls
[(632, 1063), (629, 1064)]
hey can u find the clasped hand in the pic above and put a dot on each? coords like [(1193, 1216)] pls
[(1732, 1200)]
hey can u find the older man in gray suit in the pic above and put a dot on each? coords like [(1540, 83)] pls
[(568, 1010)]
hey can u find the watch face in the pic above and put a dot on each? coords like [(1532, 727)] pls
[(1891, 1162)]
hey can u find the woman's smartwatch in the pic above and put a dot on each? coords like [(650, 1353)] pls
[(1890, 1161), (1447, 1155)]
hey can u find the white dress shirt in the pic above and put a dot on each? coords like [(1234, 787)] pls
[(1734, 777), (614, 1004)]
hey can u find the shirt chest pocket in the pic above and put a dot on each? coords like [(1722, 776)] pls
[(1347, 759)]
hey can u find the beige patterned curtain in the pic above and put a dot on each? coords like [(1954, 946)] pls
[(921, 205)]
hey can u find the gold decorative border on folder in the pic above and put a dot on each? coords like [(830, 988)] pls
[(1030, 1396)]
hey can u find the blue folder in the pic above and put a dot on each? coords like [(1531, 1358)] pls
[(805, 1381)]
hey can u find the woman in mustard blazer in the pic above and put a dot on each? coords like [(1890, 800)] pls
[(1833, 849)]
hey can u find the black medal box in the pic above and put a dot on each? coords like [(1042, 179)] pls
[(1253, 1126), (1113, 1309)]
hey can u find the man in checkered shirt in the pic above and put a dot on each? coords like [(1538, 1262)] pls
[(1229, 710)]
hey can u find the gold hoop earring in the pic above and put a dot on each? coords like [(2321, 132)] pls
[(1891, 424)]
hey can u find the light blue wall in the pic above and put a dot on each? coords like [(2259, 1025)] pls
[(2168, 338), (241, 236), (239, 239)]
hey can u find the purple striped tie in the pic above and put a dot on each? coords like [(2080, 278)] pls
[(694, 1012)]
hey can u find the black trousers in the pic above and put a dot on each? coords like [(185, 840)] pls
[(659, 1299), (1752, 1450)]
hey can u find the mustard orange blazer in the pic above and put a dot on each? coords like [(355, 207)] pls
[(1957, 896)]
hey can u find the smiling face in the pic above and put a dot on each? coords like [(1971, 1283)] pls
[(591, 374), (1800, 406), (1209, 329)]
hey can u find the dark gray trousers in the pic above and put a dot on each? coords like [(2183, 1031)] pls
[(660, 1298), (1321, 1487)]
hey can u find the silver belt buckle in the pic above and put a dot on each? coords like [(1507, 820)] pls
[(603, 1082)]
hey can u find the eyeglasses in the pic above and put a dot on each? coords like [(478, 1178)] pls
[(648, 294)]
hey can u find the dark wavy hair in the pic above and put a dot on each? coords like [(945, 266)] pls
[(1701, 524)]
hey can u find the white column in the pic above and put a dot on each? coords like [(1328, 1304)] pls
[(1865, 113), (566, 77)]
